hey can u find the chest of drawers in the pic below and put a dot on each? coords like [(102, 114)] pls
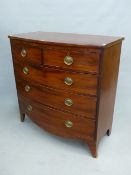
[(66, 83)]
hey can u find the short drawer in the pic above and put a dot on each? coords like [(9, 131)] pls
[(76, 59), (58, 122), (65, 80), (72, 103), (26, 52)]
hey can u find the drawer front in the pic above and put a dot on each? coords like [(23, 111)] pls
[(26, 52), (72, 103), (72, 82), (68, 81), (58, 122), (76, 59)]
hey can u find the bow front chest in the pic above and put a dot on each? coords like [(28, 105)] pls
[(66, 83)]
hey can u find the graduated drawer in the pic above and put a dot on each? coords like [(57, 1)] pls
[(26, 52), (58, 122), (76, 104), (65, 80), (72, 58)]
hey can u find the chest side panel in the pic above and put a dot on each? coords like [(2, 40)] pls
[(107, 91)]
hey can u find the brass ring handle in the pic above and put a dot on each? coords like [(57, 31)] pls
[(68, 102), (27, 88), (68, 81), (23, 53), (25, 70), (29, 108), (68, 60), (68, 124)]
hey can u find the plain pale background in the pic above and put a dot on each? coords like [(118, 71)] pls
[(24, 147)]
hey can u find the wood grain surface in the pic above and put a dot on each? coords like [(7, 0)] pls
[(94, 74)]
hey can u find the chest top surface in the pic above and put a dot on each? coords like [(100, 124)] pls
[(68, 38)]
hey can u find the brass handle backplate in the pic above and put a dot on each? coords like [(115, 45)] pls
[(27, 88), (68, 60), (68, 124), (68, 102), (29, 108), (25, 70), (68, 81), (23, 53)]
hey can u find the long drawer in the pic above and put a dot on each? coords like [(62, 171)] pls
[(72, 103), (58, 122), (65, 80)]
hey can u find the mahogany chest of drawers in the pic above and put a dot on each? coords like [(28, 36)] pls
[(66, 83)]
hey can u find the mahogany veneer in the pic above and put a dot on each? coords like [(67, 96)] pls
[(66, 83)]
